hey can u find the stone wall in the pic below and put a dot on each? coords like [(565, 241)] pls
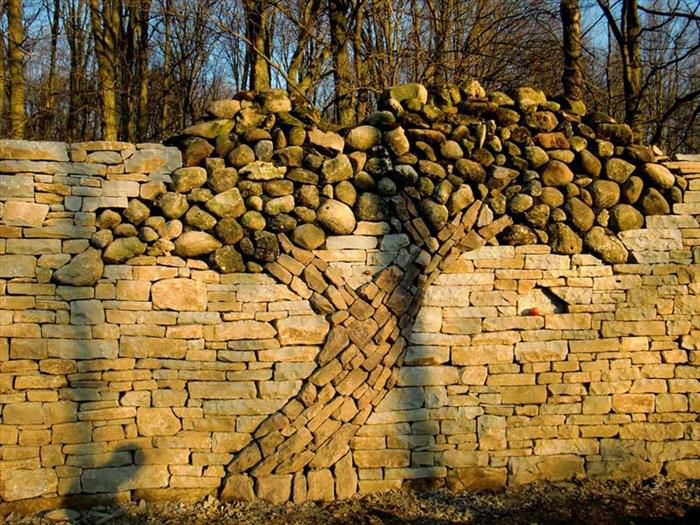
[(521, 365)]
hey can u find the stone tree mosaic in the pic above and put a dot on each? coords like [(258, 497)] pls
[(450, 170)]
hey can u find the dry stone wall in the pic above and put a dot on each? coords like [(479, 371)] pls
[(411, 348)]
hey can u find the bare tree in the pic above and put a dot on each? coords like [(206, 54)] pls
[(15, 33), (572, 78)]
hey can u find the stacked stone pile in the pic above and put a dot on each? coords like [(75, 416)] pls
[(258, 166)]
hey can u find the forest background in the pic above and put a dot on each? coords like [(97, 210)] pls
[(139, 70)]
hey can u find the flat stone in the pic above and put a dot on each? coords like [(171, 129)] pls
[(16, 186), (161, 160), (17, 266), (87, 312), (23, 484), (302, 329), (156, 422), (124, 478), (33, 150), (20, 213), (179, 294)]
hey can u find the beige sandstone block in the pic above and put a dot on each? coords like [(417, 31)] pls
[(652, 431), (302, 329), (20, 213), (237, 330), (477, 478), (633, 403), (579, 447), (17, 266), (179, 294), (523, 395), (482, 354), (320, 485), (426, 355), (474, 375), (463, 458), (550, 468), (221, 390), (157, 422), (683, 469), (491, 431), (88, 312), (23, 484), (345, 477), (539, 351), (275, 489), (382, 458), (427, 375), (124, 478)]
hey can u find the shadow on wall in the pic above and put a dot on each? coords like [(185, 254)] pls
[(94, 472)]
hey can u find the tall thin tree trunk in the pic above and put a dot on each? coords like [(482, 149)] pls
[(342, 67), (144, 17), (104, 20), (360, 64), (3, 82), (47, 116), (572, 79), (631, 53), (257, 32), (15, 33), (165, 74)]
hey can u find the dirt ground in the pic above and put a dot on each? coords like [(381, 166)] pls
[(650, 502)]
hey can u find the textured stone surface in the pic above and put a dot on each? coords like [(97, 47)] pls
[(179, 294)]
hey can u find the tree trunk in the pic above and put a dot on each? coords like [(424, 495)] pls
[(632, 60), (572, 78), (105, 20), (15, 33), (144, 17), (3, 82), (165, 73), (342, 67), (258, 48)]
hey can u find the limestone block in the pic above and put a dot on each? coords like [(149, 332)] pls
[(648, 239), (237, 330), (426, 355), (221, 389), (302, 329), (320, 486), (161, 160), (523, 395), (131, 477), (275, 489), (427, 375), (179, 294), (82, 349), (134, 346), (550, 468), (33, 150), (580, 447), (477, 478), (482, 354), (540, 351), (88, 312), (16, 186), (382, 458), (237, 487), (491, 431), (157, 422), (20, 213), (684, 469), (463, 458), (17, 266), (345, 477), (23, 484)]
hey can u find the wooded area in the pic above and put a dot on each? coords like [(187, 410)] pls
[(141, 70)]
